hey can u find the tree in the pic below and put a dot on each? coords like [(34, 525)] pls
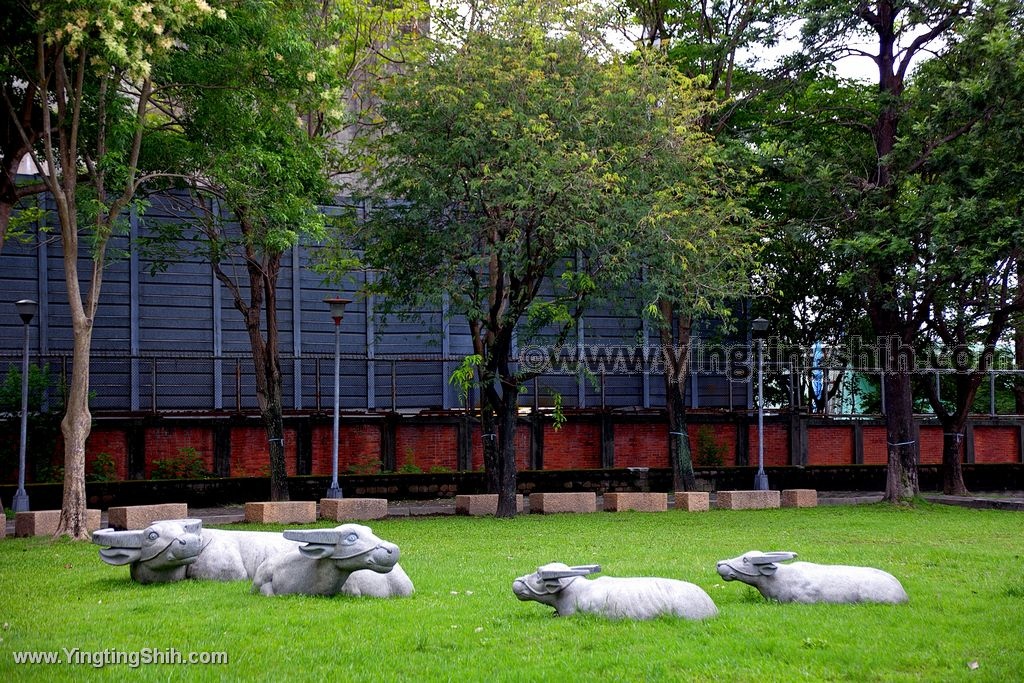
[(967, 195), (698, 253), (249, 110), (510, 163), (885, 253), (90, 78)]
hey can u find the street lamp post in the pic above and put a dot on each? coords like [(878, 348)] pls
[(759, 326), (337, 305), (27, 310)]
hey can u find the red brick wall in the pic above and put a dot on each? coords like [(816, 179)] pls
[(577, 445), (876, 449), (931, 445), (827, 445), (162, 443), (522, 447), (724, 435), (113, 442), (996, 445), (574, 446), (776, 445), (250, 453), (427, 446), (641, 445), (358, 449)]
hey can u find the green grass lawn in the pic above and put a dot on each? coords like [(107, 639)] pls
[(963, 570)]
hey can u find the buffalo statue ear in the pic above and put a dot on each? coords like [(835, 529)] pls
[(767, 569), (119, 556), (316, 551)]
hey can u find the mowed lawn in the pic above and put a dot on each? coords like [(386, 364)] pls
[(963, 570)]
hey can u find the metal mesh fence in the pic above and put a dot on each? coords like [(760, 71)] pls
[(197, 383)]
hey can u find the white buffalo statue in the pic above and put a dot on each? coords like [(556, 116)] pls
[(325, 561), (806, 582), (564, 588), (176, 549)]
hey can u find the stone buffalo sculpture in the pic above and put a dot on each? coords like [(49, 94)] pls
[(172, 550), (806, 582), (563, 588), (325, 562)]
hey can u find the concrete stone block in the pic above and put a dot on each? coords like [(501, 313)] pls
[(141, 516), (281, 512), (799, 498), (693, 501), (563, 502), (3, 523), (748, 500), (481, 504), (341, 509), (641, 502), (44, 522)]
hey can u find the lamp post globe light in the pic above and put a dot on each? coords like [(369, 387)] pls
[(759, 326), (27, 310), (337, 305)]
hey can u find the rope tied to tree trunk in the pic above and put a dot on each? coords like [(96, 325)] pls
[(902, 443)]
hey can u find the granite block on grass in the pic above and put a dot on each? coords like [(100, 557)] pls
[(640, 502), (281, 512), (341, 509), (693, 501), (748, 500), (563, 502), (44, 522), (482, 504)]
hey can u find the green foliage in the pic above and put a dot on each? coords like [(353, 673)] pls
[(709, 452), (39, 383), (557, 414), (187, 464), (409, 465), (462, 376), (959, 566), (104, 469)]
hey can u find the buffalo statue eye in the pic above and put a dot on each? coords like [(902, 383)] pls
[(746, 560), (352, 538), (153, 535)]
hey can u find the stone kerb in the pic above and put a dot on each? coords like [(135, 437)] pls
[(585, 501), (340, 509), (640, 502), (281, 512), (799, 498), (482, 504), (44, 522), (693, 501), (141, 516), (748, 500)]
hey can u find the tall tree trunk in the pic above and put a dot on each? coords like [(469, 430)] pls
[(489, 437), (953, 456), (76, 426), (901, 474), (508, 419), (267, 366), (677, 357)]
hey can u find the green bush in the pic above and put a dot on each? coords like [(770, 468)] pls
[(103, 469), (188, 464), (709, 452)]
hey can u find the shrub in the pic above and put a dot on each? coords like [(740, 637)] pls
[(103, 469), (188, 464), (709, 453)]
